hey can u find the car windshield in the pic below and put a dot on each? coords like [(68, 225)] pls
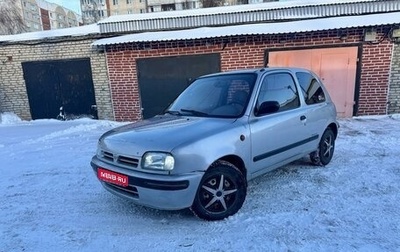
[(215, 96)]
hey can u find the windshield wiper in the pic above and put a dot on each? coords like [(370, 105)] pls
[(194, 112), (173, 112)]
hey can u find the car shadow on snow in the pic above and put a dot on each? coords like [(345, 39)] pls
[(295, 171), (296, 166), (128, 208)]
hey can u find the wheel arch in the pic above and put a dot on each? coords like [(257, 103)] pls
[(236, 161), (335, 128)]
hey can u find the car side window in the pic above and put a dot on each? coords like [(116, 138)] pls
[(278, 88), (311, 88)]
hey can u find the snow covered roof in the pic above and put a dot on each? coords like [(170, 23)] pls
[(40, 35), (229, 25), (254, 29), (242, 14)]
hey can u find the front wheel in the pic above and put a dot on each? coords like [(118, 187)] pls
[(221, 192), (326, 147)]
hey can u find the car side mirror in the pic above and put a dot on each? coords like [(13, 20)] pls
[(267, 107)]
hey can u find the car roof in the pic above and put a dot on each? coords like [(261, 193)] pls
[(257, 70)]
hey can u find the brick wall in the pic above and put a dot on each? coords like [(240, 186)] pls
[(394, 88), (375, 72), (248, 52), (13, 94)]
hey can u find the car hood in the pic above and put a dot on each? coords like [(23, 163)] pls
[(161, 133)]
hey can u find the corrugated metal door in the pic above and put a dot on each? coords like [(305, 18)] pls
[(161, 80), (337, 67), (56, 83)]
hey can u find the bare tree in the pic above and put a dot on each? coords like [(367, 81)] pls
[(11, 20), (211, 3)]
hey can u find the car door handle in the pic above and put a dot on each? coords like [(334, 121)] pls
[(303, 117)]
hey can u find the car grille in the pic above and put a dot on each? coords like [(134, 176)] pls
[(124, 160), (128, 161), (108, 156), (131, 191)]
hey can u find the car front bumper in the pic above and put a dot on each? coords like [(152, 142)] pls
[(164, 192)]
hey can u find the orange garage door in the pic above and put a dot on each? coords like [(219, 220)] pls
[(335, 66)]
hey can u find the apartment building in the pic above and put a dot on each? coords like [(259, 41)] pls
[(30, 13), (96, 10), (171, 5), (39, 15), (54, 16), (118, 7)]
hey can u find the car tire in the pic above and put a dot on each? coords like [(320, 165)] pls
[(221, 192), (326, 148)]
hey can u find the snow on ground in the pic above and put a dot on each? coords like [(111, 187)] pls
[(51, 200)]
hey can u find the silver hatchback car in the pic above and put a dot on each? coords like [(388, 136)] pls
[(222, 131)]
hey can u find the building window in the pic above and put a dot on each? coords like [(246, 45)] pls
[(142, 11), (167, 7), (128, 1), (130, 11), (115, 2)]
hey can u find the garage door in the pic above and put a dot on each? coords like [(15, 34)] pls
[(337, 68), (56, 83), (161, 80)]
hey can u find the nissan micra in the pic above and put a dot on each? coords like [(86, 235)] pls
[(222, 131)]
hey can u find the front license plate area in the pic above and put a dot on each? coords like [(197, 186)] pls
[(112, 177)]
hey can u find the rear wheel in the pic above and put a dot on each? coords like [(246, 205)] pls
[(221, 192), (326, 147)]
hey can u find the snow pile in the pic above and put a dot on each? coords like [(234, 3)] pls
[(8, 118), (51, 199)]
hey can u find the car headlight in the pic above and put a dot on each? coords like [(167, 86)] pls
[(158, 161)]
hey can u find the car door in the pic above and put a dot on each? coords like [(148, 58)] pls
[(315, 100), (282, 135)]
